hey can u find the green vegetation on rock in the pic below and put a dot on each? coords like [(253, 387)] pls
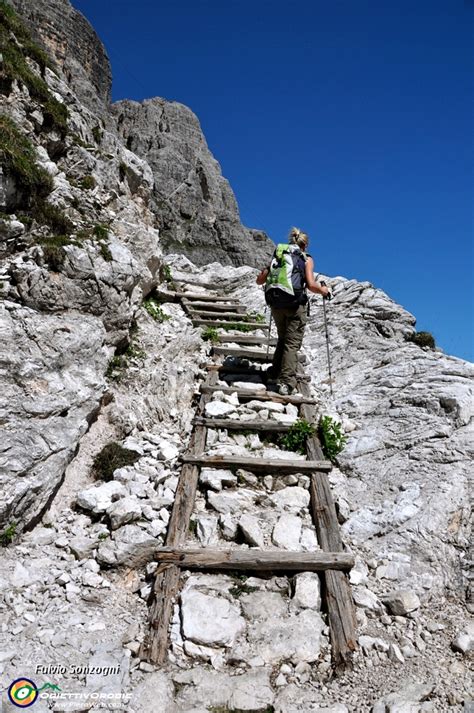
[(210, 334), (18, 159), (15, 51), (111, 457), (422, 339), (331, 437), (295, 439), (6, 537), (153, 308)]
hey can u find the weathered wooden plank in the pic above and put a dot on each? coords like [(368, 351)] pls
[(216, 323), (266, 426), (248, 370), (247, 339), (254, 559), (244, 353), (233, 316), (166, 583), (260, 395), (338, 596), (257, 465), (202, 297), (218, 306)]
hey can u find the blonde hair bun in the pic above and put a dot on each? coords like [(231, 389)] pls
[(297, 237)]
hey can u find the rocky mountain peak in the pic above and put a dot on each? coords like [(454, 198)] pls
[(75, 46), (195, 206)]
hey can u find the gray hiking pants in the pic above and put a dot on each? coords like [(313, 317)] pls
[(290, 323)]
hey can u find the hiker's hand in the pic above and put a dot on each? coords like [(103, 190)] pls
[(325, 291)]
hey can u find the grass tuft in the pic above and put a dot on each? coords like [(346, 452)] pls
[(18, 159), (110, 458), (6, 537), (15, 67)]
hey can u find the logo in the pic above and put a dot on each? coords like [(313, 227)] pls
[(23, 692)]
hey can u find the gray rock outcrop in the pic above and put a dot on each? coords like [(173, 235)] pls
[(74, 45), (195, 206)]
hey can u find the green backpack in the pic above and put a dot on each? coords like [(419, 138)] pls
[(286, 281)]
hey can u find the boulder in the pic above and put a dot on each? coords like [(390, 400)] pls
[(210, 620)]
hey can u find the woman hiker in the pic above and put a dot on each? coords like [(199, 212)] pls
[(286, 279)]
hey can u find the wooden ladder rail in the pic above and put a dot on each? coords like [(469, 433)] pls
[(338, 596), (155, 646)]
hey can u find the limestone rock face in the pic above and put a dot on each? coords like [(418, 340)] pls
[(75, 46), (52, 386), (195, 206)]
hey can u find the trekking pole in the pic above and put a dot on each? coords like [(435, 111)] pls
[(327, 338)]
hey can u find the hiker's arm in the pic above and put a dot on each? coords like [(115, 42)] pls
[(311, 283), (262, 276)]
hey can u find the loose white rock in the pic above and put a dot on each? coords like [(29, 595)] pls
[(99, 498), (216, 478), (287, 532), (307, 591), (251, 530), (124, 510), (402, 602), (214, 409), (212, 621)]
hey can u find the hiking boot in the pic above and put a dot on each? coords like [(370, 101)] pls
[(284, 389)]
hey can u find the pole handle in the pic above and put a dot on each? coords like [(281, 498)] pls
[(328, 296)]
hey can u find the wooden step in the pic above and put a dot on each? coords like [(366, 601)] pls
[(258, 394), (195, 305), (245, 370), (247, 339), (217, 323), (254, 560), (266, 425), (231, 316), (257, 465), (244, 353), (202, 298)]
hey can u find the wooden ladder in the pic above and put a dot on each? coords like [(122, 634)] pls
[(332, 561)]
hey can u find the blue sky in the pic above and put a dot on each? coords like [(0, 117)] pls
[(351, 119)]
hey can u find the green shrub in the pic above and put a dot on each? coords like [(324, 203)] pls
[(119, 363), (18, 158), (53, 251), (154, 310), (331, 437), (295, 439), (210, 334), (97, 134), (238, 327), (87, 183), (422, 339), (111, 457), (105, 252), (166, 273), (15, 66), (53, 217), (255, 317), (101, 232), (134, 352), (115, 367), (6, 537)]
